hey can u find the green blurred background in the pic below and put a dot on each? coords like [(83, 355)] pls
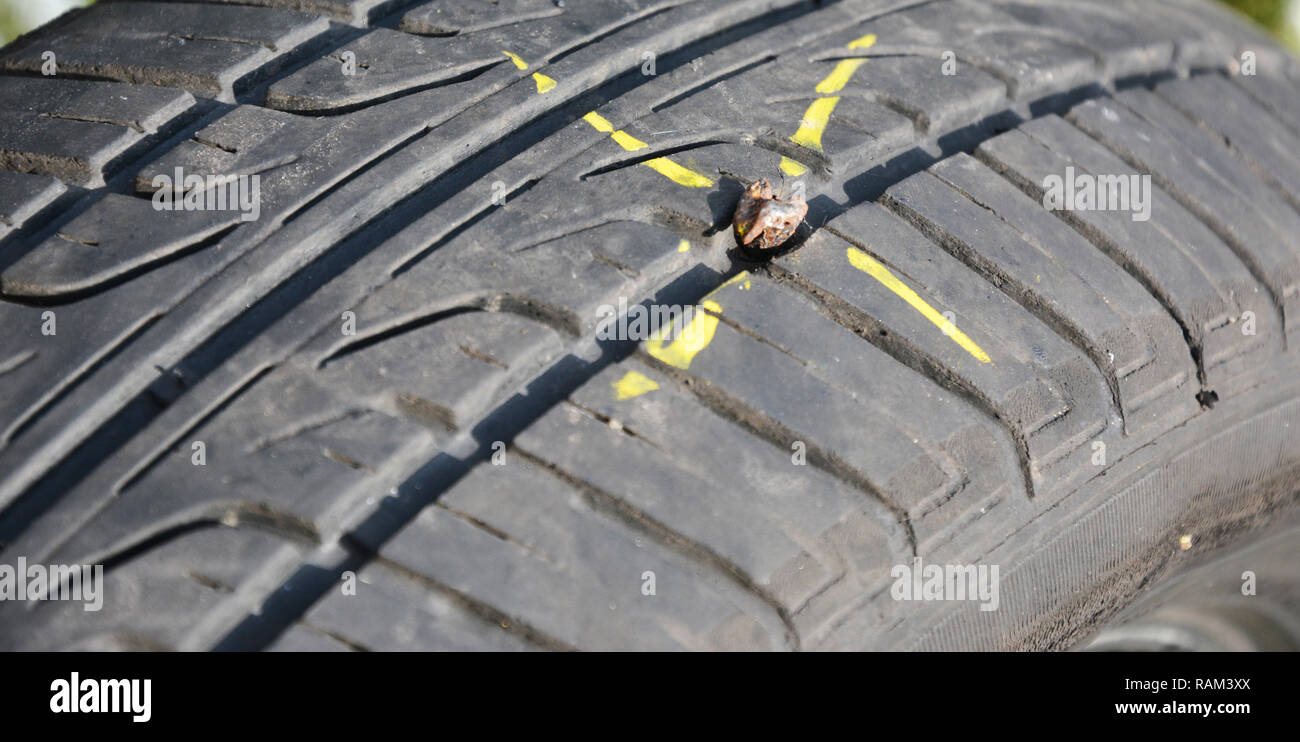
[(1282, 17), (19, 16)]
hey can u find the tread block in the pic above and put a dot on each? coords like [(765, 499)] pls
[(93, 250), (444, 374), (245, 141), (652, 490), (610, 180), (143, 109), (1045, 389), (1214, 152), (1035, 257), (938, 461), (75, 129), (1195, 275), (388, 63), (937, 102), (1123, 48), (304, 638), (286, 456), (151, 600), (532, 548), (393, 612), (1239, 32), (76, 152), (536, 32), (22, 196), (1031, 62), (769, 332), (562, 282), (296, 159), (843, 542), (453, 17), (1281, 96), (210, 51), (418, 55), (1264, 141), (1199, 45), (352, 12), (1248, 223), (857, 127), (905, 87)]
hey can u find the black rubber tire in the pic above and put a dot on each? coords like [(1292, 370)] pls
[(379, 415), (1244, 598)]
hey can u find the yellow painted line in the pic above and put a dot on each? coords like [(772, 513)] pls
[(519, 62), (839, 77), (693, 338), (792, 167), (873, 268), (633, 384), (864, 42), (678, 174), (683, 246), (818, 113), (627, 141), (810, 131), (814, 123), (598, 122), (544, 83), (662, 165), (741, 278)]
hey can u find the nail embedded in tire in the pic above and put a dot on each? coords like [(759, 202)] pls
[(764, 221)]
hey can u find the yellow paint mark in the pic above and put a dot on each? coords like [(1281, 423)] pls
[(873, 268), (814, 119), (598, 122), (814, 123), (677, 173), (863, 43), (627, 141), (520, 63), (683, 246), (741, 278), (792, 167), (839, 77), (633, 384), (693, 338), (544, 83), (662, 165)]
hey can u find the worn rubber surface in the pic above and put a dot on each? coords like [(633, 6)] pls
[(1217, 605), (969, 377)]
